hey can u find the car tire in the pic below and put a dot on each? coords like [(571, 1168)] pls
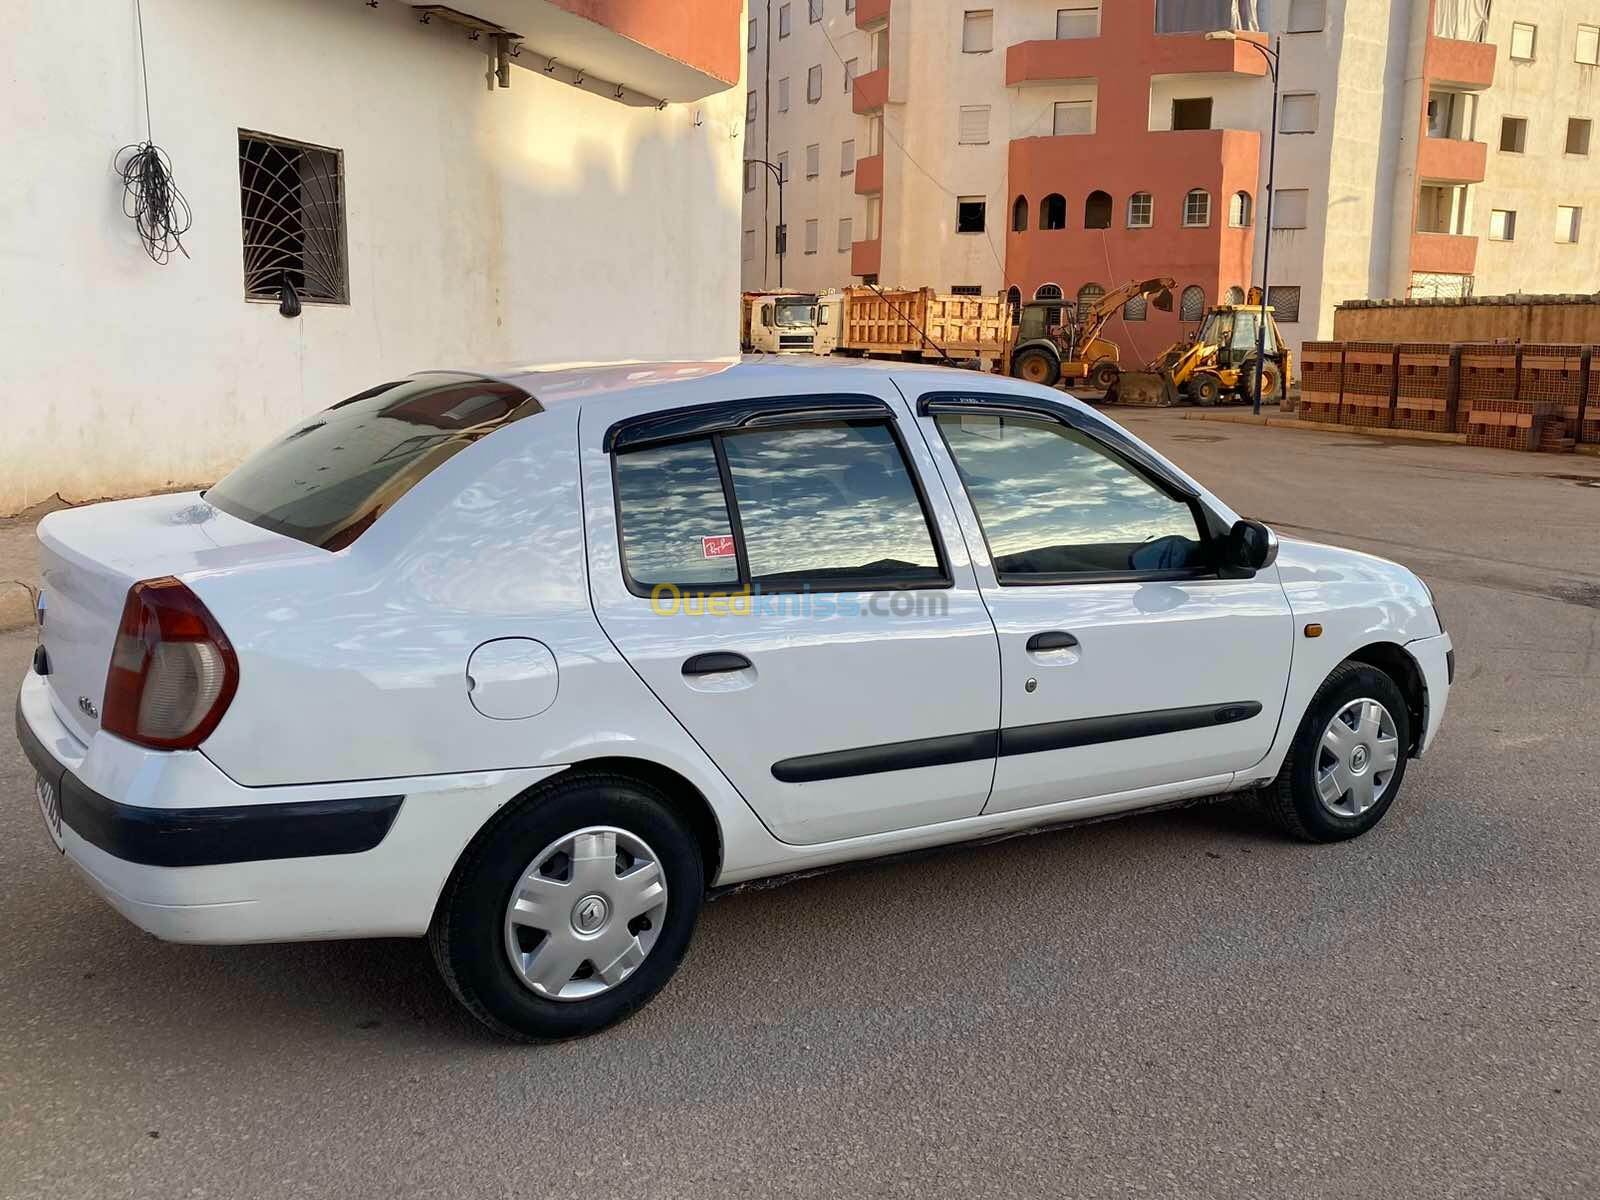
[(1036, 366), (1298, 800), (474, 934)]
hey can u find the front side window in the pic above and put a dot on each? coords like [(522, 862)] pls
[(826, 506), (328, 480), (1053, 503)]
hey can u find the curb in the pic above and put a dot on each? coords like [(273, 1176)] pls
[(1390, 435)]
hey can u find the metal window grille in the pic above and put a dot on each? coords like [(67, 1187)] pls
[(291, 201), (1192, 305)]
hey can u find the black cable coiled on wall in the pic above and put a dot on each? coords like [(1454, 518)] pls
[(152, 199)]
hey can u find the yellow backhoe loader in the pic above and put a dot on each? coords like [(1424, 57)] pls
[(1054, 341), (1218, 364)]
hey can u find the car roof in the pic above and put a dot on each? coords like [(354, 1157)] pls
[(563, 383)]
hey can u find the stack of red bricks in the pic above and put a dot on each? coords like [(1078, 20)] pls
[(1321, 381), (1422, 388), (1368, 383)]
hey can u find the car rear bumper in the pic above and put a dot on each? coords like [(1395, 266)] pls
[(1436, 657), (189, 855)]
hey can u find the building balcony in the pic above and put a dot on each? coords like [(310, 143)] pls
[(1452, 160), (869, 175), (871, 12), (1444, 253), (1467, 65), (678, 52), (1054, 59), (866, 258), (869, 92)]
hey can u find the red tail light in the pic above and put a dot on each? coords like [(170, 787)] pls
[(172, 673)]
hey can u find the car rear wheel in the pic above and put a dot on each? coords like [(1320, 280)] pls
[(1348, 758), (1036, 366), (571, 910)]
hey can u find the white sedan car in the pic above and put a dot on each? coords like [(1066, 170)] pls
[(529, 662)]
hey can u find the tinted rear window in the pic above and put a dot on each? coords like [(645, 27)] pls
[(327, 481)]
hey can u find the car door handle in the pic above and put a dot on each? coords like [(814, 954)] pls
[(1053, 639), (714, 661)]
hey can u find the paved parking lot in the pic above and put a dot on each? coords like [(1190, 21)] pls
[(1171, 1005)]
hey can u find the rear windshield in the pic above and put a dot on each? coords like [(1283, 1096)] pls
[(327, 481)]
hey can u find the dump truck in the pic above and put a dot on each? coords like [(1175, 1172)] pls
[(1218, 364), (870, 322), (1056, 340), (781, 322)]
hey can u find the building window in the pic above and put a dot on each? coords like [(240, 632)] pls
[(750, 107), (851, 67), (1088, 296), (875, 134), (1048, 291), (1523, 39), (814, 84), (1097, 210), (1192, 114), (751, 43), (1136, 309), (1588, 52), (1019, 215), (1053, 211), (1080, 20), (874, 218), (1441, 208), (1307, 16), (1239, 210), (1197, 209), (1502, 225), (974, 125), (1014, 303), (750, 169), (1284, 302), (811, 236), (749, 245), (849, 6), (1513, 134), (1299, 113), (977, 31), (1578, 135), (847, 156), (815, 11), (1236, 294), (1192, 304), (1141, 211), (880, 49), (783, 21), (1073, 116), (965, 289), (970, 212), (813, 160), (291, 197), (783, 165), (1290, 208), (1568, 222), (845, 236), (783, 94)]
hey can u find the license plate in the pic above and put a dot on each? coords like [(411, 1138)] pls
[(49, 797)]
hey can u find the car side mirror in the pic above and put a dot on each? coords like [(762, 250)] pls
[(1250, 546)]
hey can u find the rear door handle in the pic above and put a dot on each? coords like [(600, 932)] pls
[(1053, 639), (714, 661)]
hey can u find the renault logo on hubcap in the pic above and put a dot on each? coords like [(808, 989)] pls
[(1358, 759), (590, 913)]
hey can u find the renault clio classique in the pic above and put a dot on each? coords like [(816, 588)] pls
[(528, 662)]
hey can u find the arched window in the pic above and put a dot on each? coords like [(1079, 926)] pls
[(1014, 303), (1088, 294), (1135, 309), (1239, 210), (1053, 211), (1197, 209), (1236, 295), (1141, 210), (1097, 211), (1048, 291), (1019, 214), (1192, 305)]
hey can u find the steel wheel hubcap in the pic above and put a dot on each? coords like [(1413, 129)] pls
[(1356, 758), (585, 913)]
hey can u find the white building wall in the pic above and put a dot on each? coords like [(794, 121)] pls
[(539, 223)]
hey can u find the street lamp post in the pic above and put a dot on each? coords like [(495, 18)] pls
[(1272, 56), (781, 242)]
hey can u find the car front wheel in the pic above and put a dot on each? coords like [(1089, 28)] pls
[(571, 910), (1348, 758)]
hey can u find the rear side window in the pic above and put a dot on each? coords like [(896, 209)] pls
[(1052, 502), (826, 506), (326, 482)]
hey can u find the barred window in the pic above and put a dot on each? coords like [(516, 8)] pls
[(291, 201), (1192, 305), (1135, 309), (1285, 303)]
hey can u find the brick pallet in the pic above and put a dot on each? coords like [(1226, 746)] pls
[(1422, 388), (1321, 381), (1368, 384)]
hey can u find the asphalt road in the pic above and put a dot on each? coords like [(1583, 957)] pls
[(1170, 1005)]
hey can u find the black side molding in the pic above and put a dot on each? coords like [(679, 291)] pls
[(1019, 739), (200, 837)]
